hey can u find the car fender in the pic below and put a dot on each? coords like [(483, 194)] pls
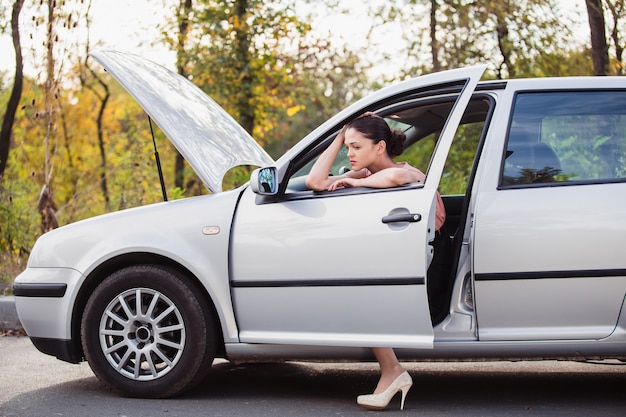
[(193, 233)]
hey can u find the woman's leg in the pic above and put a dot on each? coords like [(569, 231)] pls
[(390, 367)]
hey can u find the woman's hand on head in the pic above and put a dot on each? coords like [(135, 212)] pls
[(319, 178), (341, 136)]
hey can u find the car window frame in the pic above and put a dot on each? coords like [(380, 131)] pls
[(310, 154)]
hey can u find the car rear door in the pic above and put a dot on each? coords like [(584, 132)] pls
[(343, 268), (549, 229)]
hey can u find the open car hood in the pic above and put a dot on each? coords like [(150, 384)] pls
[(209, 139)]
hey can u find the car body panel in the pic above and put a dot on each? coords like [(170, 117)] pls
[(208, 137), (299, 273), (175, 230), (57, 322), (325, 288), (550, 302), (538, 276)]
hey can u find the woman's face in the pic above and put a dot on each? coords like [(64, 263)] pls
[(362, 151)]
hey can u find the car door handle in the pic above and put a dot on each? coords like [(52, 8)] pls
[(402, 217)]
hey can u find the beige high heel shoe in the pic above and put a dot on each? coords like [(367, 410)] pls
[(380, 401)]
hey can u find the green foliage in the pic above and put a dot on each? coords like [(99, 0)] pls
[(5, 16), (76, 181), (236, 177), (235, 52), (18, 225), (589, 147), (460, 158), (260, 62), (175, 193), (519, 39), (419, 154), (321, 88)]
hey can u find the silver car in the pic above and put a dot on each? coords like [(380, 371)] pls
[(531, 263)]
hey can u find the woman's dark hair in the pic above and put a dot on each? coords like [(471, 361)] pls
[(376, 128)]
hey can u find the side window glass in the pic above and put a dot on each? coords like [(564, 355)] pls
[(461, 156), (566, 137), (340, 166), (458, 167), (418, 154), (422, 125)]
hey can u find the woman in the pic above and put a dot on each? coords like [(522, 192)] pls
[(372, 145)]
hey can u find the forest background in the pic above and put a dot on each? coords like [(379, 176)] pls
[(74, 145)]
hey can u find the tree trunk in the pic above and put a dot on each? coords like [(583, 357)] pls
[(599, 48), (183, 28), (502, 31), (46, 205), (617, 12), (242, 47), (434, 44), (16, 93), (104, 99)]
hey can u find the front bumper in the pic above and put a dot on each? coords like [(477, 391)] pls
[(44, 300)]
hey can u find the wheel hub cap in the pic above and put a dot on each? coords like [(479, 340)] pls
[(142, 334)]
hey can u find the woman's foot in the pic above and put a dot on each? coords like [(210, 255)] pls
[(379, 401), (387, 376)]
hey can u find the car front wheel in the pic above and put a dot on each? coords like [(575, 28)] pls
[(146, 332)]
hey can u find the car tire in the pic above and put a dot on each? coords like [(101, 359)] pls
[(155, 348)]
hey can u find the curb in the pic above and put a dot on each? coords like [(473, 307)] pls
[(8, 314)]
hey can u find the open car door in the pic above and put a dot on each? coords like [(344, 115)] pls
[(347, 267)]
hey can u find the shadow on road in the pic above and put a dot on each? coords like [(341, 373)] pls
[(298, 389)]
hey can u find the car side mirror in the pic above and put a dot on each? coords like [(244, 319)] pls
[(263, 181)]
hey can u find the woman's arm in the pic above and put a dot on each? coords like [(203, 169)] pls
[(319, 177), (388, 177)]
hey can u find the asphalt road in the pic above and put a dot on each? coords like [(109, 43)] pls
[(33, 384)]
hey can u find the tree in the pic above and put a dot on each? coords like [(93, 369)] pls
[(512, 35), (509, 35), (46, 205), (618, 13), (58, 20), (16, 92), (235, 56), (183, 16), (599, 48), (257, 59), (103, 97), (434, 44)]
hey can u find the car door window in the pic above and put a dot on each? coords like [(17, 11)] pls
[(566, 137), (422, 123)]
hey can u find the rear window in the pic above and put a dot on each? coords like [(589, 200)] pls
[(566, 137)]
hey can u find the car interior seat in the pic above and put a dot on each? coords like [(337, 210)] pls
[(528, 161)]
